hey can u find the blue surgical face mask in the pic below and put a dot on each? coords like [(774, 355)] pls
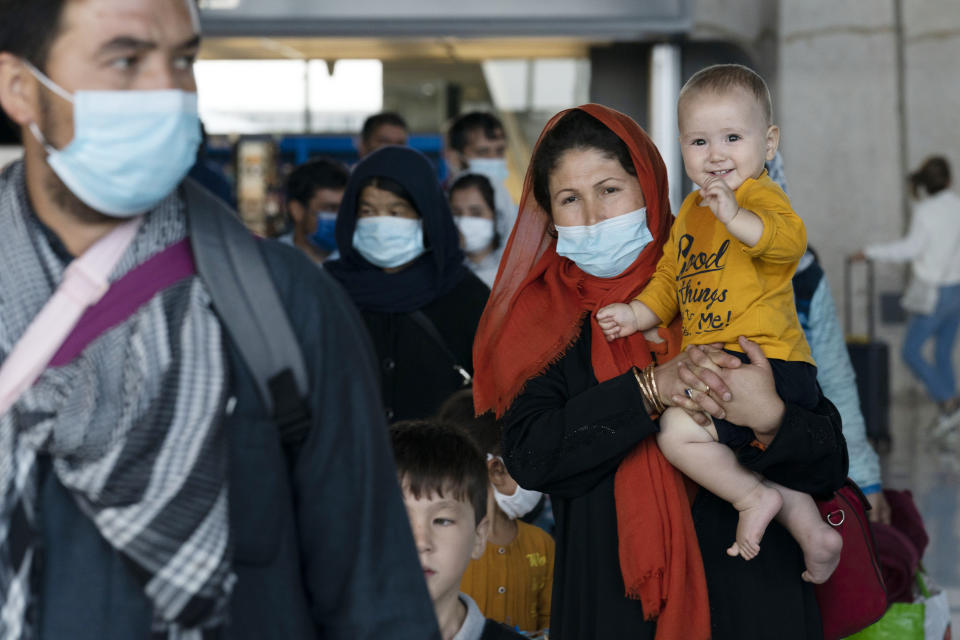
[(389, 241), (130, 149), (607, 248), (324, 238)]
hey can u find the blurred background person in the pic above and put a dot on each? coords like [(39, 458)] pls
[(931, 248), (474, 211), (209, 175), (817, 313), (314, 191), (477, 143), (382, 130), (401, 263)]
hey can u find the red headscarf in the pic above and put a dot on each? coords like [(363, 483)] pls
[(535, 313)]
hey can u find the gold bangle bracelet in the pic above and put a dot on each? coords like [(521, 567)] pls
[(646, 392), (652, 381)]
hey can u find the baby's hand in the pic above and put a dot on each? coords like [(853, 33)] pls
[(720, 198), (617, 320)]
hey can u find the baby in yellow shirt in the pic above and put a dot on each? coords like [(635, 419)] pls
[(727, 269)]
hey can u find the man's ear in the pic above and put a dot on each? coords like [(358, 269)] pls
[(480, 542), (453, 159), (18, 90), (773, 141), (297, 212)]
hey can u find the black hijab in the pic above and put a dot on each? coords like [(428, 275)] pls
[(433, 274)]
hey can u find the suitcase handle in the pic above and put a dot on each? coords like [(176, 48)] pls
[(848, 299)]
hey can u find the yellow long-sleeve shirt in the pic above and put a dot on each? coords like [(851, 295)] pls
[(724, 289), (513, 584)]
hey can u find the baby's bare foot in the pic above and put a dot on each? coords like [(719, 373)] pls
[(756, 509), (821, 553)]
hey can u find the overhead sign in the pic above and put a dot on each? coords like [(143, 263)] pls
[(432, 18)]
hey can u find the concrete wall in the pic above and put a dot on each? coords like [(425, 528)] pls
[(839, 111)]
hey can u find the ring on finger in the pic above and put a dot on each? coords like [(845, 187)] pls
[(688, 392)]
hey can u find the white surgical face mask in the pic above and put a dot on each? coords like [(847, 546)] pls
[(520, 503), (130, 149), (477, 232), (494, 169), (607, 248), (389, 241)]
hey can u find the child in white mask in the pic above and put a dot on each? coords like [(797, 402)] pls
[(472, 205), (513, 581)]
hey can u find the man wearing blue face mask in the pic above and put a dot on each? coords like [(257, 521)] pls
[(145, 466), (476, 143), (314, 191)]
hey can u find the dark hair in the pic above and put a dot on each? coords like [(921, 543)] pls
[(377, 120), (316, 173), (722, 77), (390, 185), (29, 27), (933, 175), (433, 457), (466, 124), (479, 182), (483, 430), (576, 130)]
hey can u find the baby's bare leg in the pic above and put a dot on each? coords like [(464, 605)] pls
[(821, 545), (695, 451)]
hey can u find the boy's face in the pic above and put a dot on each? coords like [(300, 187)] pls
[(447, 537), (725, 134)]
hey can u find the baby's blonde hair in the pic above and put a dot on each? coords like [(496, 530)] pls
[(720, 78)]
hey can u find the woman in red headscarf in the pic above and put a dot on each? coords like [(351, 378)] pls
[(632, 561)]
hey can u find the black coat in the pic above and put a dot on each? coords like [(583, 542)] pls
[(322, 551), (416, 373), (566, 435)]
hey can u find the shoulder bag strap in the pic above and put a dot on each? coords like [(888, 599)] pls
[(430, 329)]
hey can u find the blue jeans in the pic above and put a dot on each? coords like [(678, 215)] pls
[(942, 325)]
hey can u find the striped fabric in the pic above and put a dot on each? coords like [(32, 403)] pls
[(133, 426)]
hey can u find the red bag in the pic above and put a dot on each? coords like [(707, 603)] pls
[(854, 597)]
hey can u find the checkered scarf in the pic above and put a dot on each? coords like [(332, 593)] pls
[(132, 426)]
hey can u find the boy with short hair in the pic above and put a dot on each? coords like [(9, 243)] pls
[(512, 582), (444, 483), (727, 270)]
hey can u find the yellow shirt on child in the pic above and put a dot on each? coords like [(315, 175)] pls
[(724, 289), (513, 584)]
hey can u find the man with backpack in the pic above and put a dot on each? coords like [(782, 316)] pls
[(183, 452)]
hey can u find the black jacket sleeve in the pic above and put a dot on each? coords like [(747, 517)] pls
[(808, 453), (359, 564), (564, 444)]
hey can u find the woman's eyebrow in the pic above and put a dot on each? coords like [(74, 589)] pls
[(597, 184)]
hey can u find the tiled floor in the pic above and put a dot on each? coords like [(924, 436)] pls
[(930, 468)]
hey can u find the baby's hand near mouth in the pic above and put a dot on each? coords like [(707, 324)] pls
[(720, 198)]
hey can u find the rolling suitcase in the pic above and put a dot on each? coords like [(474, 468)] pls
[(871, 362)]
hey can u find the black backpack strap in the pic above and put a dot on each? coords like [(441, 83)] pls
[(431, 330), (246, 300)]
